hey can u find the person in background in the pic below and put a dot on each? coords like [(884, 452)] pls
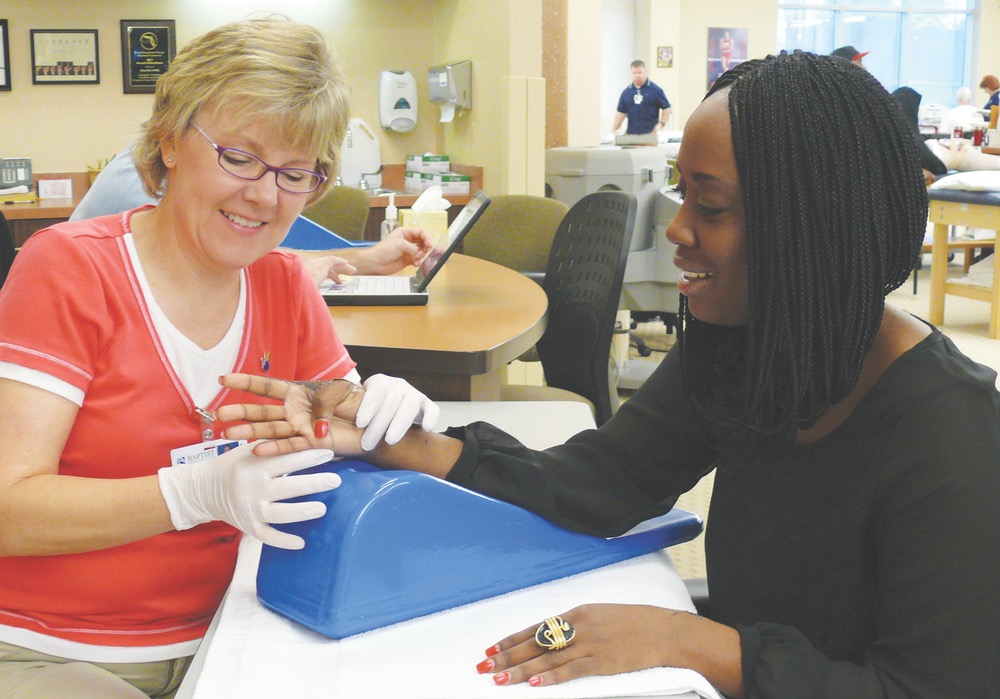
[(849, 53), (962, 115), (939, 156), (931, 165), (120, 508), (991, 85), (643, 103), (853, 545), (119, 188)]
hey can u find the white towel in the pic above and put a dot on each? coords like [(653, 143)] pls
[(257, 653)]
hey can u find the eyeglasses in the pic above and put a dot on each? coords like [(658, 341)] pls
[(248, 166)]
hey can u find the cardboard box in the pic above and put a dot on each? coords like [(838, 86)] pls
[(414, 181), (428, 162), (452, 182), (434, 222)]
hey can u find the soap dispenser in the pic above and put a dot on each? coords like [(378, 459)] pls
[(391, 221), (397, 100)]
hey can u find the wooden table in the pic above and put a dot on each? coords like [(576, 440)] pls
[(962, 208), (480, 316)]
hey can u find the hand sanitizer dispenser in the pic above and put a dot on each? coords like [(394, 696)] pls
[(397, 100), (450, 86)]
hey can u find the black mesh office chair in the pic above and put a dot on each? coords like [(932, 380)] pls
[(583, 282), (7, 250)]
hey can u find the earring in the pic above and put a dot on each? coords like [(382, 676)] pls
[(170, 159)]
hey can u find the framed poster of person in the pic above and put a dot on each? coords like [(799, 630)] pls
[(64, 56), (727, 47), (148, 47)]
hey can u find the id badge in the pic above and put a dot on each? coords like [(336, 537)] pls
[(203, 451), (638, 98)]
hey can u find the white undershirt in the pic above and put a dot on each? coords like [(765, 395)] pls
[(198, 369)]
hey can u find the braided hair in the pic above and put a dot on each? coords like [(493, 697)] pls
[(836, 210)]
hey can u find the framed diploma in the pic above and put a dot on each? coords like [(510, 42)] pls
[(4, 56), (64, 56), (148, 47)]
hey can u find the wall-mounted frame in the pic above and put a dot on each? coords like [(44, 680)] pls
[(664, 56), (727, 47), (148, 47), (4, 55), (64, 57)]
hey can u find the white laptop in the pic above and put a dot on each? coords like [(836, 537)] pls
[(395, 290)]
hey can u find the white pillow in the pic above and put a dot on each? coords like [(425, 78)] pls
[(974, 181)]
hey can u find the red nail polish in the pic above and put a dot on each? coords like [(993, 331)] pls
[(535, 681), (501, 678), (492, 650), (322, 428), (485, 666)]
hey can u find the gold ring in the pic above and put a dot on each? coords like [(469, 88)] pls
[(554, 633)]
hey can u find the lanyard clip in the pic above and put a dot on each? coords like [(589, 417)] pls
[(207, 433)]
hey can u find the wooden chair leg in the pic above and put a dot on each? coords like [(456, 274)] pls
[(939, 273)]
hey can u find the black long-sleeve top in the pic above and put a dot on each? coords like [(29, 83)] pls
[(866, 564)]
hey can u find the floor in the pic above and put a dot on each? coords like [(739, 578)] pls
[(966, 323)]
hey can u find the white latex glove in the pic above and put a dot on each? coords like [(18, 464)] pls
[(389, 407), (243, 490)]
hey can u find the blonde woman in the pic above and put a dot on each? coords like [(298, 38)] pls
[(118, 535)]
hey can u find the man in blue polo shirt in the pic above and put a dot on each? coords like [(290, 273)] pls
[(643, 102)]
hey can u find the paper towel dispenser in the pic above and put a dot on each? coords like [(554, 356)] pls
[(451, 84)]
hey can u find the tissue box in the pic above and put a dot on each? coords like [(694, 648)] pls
[(428, 162), (434, 222), (452, 182), (415, 181)]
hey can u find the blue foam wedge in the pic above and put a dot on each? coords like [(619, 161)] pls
[(395, 545)]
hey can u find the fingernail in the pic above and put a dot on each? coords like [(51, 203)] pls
[(492, 650), (485, 666), (501, 678), (535, 681), (322, 428), (314, 510)]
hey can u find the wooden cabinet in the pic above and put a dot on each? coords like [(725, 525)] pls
[(25, 219)]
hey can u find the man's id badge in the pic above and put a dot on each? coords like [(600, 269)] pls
[(203, 451), (638, 98)]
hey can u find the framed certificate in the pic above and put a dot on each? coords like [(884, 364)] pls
[(64, 56), (148, 47), (4, 55)]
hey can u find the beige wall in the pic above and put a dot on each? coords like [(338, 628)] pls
[(66, 127), (505, 129)]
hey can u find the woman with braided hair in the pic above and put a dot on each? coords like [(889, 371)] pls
[(853, 546)]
